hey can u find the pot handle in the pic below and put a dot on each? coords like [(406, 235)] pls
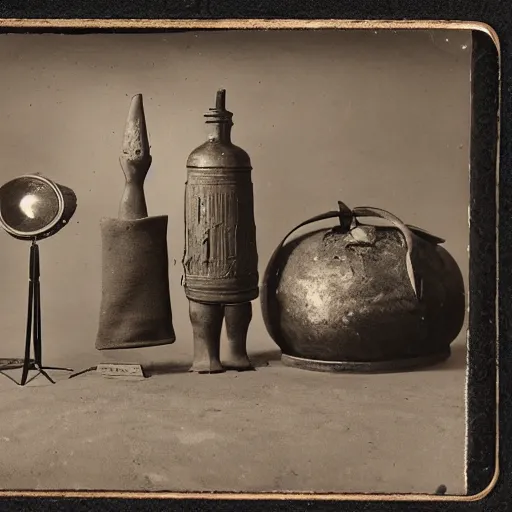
[(347, 218), (367, 211)]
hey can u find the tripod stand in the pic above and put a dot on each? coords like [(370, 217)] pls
[(33, 332)]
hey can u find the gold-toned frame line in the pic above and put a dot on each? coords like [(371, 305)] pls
[(264, 24)]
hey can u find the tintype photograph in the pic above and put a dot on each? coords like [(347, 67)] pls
[(235, 261)]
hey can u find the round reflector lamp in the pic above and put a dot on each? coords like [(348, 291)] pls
[(33, 207)]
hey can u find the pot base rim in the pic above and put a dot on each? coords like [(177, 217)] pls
[(387, 366)]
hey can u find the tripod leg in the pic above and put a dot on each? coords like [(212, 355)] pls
[(33, 332), (30, 311), (44, 374), (37, 340), (37, 326)]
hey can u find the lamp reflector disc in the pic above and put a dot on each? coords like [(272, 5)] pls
[(28, 205)]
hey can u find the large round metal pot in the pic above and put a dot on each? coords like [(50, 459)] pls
[(362, 297)]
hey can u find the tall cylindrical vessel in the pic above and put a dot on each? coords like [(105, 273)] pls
[(221, 260)]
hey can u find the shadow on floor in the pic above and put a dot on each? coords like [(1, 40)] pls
[(165, 368), (265, 357), (456, 361), (258, 359)]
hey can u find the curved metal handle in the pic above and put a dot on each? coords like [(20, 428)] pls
[(368, 211), (347, 217)]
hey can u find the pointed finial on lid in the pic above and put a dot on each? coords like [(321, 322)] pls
[(220, 103)]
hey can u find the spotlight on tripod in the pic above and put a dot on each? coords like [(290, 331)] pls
[(32, 208)]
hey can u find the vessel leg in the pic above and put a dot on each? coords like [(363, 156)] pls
[(238, 317), (206, 322)]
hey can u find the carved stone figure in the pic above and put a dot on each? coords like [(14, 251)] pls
[(135, 305)]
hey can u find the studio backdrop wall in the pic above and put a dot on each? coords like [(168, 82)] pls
[(371, 118)]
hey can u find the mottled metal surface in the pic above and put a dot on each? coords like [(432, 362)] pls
[(221, 259), (331, 296), (218, 151)]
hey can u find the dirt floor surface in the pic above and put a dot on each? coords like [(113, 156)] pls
[(274, 429)]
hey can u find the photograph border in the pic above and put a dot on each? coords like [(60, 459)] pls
[(480, 188)]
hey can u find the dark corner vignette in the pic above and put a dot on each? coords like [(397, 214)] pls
[(481, 459), (481, 374)]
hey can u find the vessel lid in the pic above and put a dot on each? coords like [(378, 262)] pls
[(219, 114), (223, 153)]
